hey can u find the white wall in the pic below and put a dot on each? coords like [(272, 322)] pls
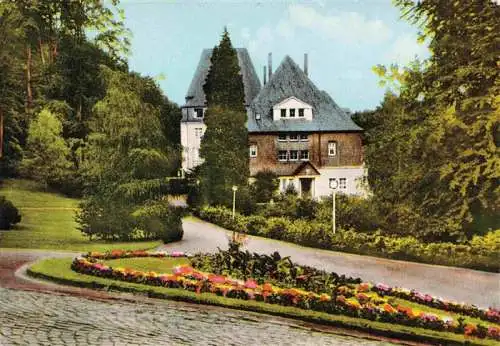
[(190, 141), (354, 180), (294, 103)]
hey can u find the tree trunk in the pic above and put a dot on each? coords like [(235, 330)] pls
[(42, 52), (29, 99), (1, 133)]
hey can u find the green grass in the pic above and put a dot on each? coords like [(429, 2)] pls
[(48, 222), (148, 264), (59, 270)]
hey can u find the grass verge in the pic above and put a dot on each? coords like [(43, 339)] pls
[(48, 222), (59, 270)]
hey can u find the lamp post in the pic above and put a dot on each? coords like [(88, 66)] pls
[(333, 185), (235, 188)]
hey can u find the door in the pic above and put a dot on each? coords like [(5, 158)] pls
[(305, 187)]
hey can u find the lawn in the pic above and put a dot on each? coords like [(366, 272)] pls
[(48, 222), (148, 264), (59, 270)]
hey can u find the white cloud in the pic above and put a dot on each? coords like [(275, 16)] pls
[(348, 27), (405, 49), (262, 40)]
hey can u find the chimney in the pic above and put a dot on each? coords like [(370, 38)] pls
[(306, 68), (270, 65), (264, 75)]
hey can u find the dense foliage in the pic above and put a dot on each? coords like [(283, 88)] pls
[(224, 145), (481, 252), (9, 215), (128, 158), (264, 186), (432, 146)]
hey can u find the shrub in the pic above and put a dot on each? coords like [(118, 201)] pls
[(9, 215), (265, 186)]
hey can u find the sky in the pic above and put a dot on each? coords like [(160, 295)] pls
[(344, 39)]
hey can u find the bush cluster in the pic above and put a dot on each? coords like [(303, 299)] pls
[(9, 215), (481, 253)]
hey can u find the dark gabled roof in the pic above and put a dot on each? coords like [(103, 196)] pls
[(289, 80), (195, 96), (302, 168)]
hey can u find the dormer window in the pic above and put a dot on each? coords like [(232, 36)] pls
[(282, 137), (293, 137), (198, 112), (292, 108)]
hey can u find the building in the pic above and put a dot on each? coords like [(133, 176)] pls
[(301, 134), (192, 126), (294, 129)]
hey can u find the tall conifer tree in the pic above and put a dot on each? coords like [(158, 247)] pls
[(224, 145)]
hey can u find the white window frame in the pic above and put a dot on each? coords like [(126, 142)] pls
[(196, 113), (290, 155), (282, 140), (286, 155), (300, 155), (332, 148), (198, 132), (290, 112), (303, 137), (342, 183), (293, 140), (253, 150), (301, 110), (282, 110)]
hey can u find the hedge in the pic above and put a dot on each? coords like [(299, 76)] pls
[(481, 253)]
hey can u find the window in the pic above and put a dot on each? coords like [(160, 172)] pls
[(294, 155), (281, 137), (332, 148), (283, 113), (301, 112), (333, 183), (253, 150), (304, 155), (342, 183), (292, 113), (282, 155), (294, 137), (198, 132), (199, 112), (303, 138)]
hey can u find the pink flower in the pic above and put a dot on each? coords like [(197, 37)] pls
[(383, 287), (250, 284), (177, 254)]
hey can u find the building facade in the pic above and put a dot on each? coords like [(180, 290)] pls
[(294, 129)]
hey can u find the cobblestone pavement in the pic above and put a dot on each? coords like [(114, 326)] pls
[(463, 285), (33, 318)]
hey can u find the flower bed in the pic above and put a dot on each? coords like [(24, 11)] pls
[(492, 315), (364, 305)]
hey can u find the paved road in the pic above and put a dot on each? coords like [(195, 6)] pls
[(33, 318), (463, 285)]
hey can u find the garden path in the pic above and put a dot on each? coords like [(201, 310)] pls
[(458, 284)]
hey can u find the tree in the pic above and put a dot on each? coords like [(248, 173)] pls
[(433, 146), (128, 160), (224, 145), (265, 185), (46, 156), (224, 84)]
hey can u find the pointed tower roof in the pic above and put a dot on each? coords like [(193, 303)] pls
[(195, 96), (290, 81)]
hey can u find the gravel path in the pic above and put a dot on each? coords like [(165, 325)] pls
[(463, 285)]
